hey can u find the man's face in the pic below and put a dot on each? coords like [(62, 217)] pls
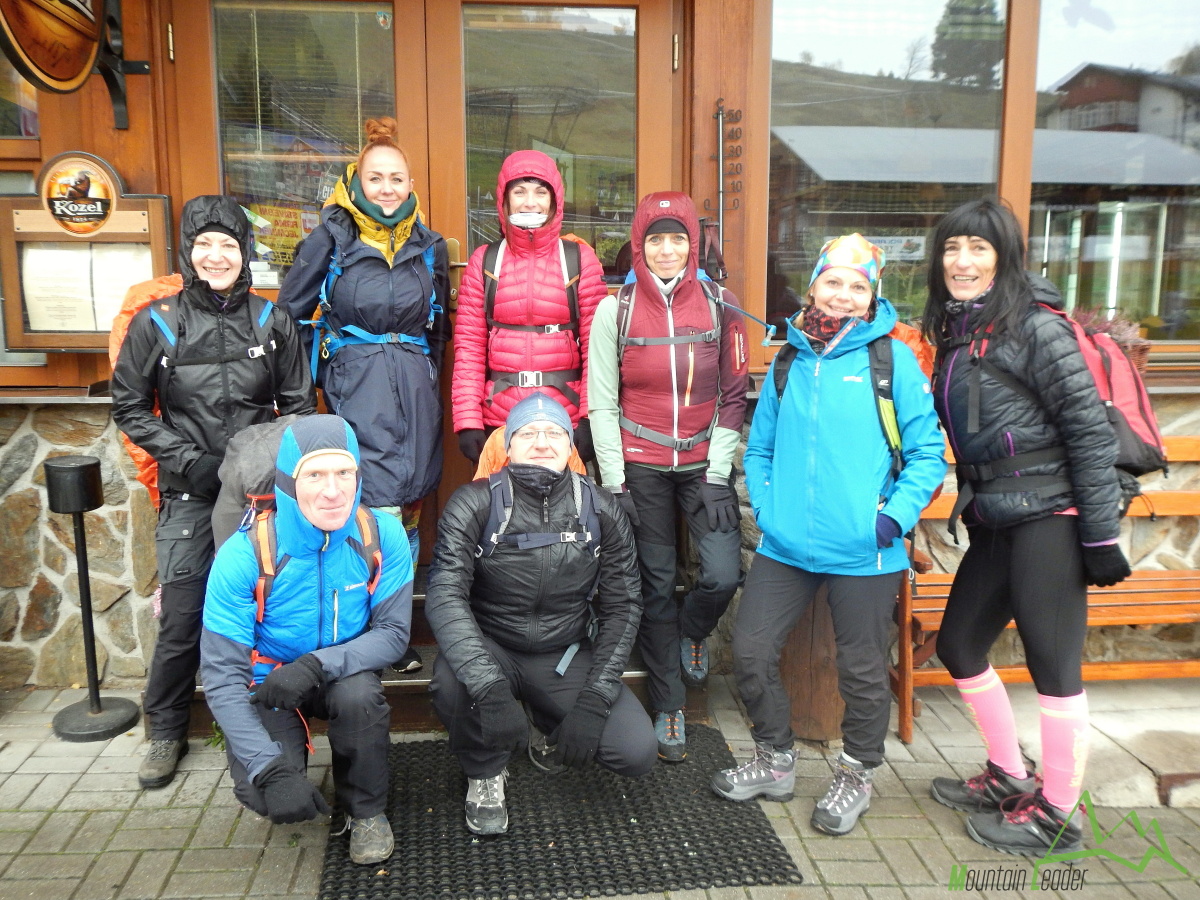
[(541, 444), (325, 487)]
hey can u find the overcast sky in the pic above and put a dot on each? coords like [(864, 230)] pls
[(1145, 34)]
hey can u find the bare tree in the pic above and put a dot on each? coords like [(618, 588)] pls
[(915, 58), (1187, 63)]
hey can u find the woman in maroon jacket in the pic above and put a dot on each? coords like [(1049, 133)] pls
[(531, 338)]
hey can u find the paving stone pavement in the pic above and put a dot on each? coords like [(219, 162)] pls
[(73, 825)]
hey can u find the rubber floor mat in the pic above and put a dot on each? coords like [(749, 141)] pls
[(583, 833)]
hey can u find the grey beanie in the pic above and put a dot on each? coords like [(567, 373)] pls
[(537, 407)]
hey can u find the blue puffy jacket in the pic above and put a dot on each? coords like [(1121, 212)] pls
[(318, 604), (817, 464)]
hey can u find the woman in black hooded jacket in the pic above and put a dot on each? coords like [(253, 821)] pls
[(1039, 495)]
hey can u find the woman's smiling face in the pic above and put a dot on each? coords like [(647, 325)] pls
[(969, 265)]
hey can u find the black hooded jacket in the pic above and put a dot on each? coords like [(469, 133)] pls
[(202, 406), (1043, 355), (534, 600)]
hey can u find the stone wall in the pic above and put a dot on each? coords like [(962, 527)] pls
[(41, 631), (1166, 543)]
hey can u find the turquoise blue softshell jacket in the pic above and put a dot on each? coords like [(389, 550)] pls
[(319, 602), (817, 465)]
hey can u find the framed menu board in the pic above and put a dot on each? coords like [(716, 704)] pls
[(69, 253)]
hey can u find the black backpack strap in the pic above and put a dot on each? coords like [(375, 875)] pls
[(491, 278), (165, 318), (571, 255), (368, 546), (882, 365), (261, 311), (625, 298), (498, 514), (783, 365)]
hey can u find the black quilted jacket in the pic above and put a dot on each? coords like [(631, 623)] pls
[(534, 600), (1044, 356)]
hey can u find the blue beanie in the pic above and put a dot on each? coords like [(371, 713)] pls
[(537, 407)]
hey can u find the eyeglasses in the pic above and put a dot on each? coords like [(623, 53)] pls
[(529, 435)]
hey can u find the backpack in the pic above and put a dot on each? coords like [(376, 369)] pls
[(882, 365), (327, 340), (495, 530), (1140, 448), (560, 380), (247, 476)]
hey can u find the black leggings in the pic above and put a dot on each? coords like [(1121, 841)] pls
[(1033, 573)]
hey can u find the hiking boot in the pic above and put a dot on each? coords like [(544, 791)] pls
[(985, 791), (543, 754), (770, 774), (693, 660), (486, 810), (1026, 825), (409, 662), (672, 740), (161, 760), (371, 840), (847, 798)]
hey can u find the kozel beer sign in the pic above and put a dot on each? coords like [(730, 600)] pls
[(79, 191)]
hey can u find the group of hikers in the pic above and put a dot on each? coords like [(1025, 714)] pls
[(543, 578)]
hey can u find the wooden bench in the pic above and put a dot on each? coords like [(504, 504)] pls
[(1147, 597)]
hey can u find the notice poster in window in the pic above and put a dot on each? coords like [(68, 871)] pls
[(56, 281), (115, 267)]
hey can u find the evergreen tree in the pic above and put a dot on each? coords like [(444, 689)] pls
[(968, 44)]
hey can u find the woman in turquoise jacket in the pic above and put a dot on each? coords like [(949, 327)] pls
[(832, 507)]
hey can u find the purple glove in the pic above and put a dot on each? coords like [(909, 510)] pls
[(887, 530)]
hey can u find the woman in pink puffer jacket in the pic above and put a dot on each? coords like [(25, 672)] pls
[(498, 361)]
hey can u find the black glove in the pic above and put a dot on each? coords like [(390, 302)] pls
[(583, 440), (287, 687), (579, 732), (1105, 565), (289, 795), (202, 476), (887, 530), (503, 720), (721, 504), (470, 443), (626, 500)]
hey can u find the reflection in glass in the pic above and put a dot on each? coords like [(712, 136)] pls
[(18, 103), (1115, 221), (295, 83), (883, 117), (560, 80)]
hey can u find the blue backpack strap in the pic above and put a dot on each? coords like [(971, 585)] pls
[(166, 321), (429, 257), (325, 297)]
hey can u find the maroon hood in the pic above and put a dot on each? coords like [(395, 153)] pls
[(530, 164), (665, 205)]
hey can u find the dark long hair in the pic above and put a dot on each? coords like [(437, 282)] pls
[(1010, 296)]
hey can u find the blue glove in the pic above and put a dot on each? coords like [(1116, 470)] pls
[(887, 530)]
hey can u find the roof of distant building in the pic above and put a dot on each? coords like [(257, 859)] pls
[(968, 155), (1189, 84)]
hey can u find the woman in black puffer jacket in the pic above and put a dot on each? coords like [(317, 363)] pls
[(1040, 498)]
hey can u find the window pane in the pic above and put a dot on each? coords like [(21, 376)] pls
[(295, 83), (18, 103), (884, 116), (561, 80), (1115, 221)]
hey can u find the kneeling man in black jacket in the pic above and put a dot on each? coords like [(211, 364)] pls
[(518, 558)]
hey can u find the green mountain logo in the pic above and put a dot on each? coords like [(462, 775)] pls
[(1157, 844)]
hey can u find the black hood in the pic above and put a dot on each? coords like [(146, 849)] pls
[(220, 210), (1044, 291)]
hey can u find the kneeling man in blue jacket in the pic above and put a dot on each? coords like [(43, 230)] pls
[(335, 612)]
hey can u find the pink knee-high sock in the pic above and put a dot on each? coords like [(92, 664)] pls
[(987, 700), (1064, 748)]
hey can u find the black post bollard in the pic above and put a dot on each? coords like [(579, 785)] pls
[(73, 486)]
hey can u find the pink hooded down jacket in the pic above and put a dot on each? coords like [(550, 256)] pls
[(530, 292)]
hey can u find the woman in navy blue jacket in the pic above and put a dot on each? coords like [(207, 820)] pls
[(832, 509)]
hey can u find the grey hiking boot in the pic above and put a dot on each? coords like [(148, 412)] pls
[(161, 760), (693, 661), (771, 774), (985, 791), (371, 840), (672, 739), (486, 809), (847, 798)]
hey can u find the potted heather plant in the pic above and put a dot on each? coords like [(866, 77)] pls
[(1123, 330)]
